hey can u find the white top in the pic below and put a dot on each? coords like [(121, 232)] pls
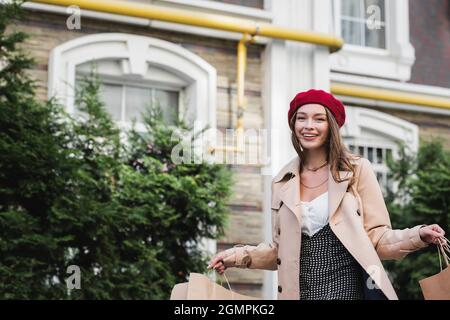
[(314, 214)]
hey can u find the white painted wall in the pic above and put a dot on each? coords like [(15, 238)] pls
[(289, 67)]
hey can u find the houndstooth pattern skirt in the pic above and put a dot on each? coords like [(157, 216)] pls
[(327, 270)]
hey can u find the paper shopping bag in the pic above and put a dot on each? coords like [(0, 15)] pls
[(200, 287), (437, 287), (179, 291)]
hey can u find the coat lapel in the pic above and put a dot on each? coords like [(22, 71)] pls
[(290, 195), (290, 191), (336, 191)]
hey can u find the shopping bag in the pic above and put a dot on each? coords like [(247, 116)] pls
[(179, 291), (437, 287), (200, 287)]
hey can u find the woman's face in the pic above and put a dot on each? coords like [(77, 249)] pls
[(311, 126)]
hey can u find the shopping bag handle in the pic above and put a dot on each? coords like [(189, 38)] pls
[(226, 279), (228, 283), (223, 274), (443, 248)]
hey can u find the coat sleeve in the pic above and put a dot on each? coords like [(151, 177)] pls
[(263, 256), (389, 243)]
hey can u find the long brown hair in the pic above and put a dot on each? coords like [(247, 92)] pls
[(338, 155)]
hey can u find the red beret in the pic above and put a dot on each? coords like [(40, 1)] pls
[(320, 97)]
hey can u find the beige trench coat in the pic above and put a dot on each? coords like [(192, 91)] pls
[(362, 225)]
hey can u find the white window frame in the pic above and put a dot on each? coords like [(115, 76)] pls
[(372, 128), (201, 78), (146, 85), (394, 62), (338, 20)]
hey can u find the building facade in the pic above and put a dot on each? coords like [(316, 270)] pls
[(390, 46)]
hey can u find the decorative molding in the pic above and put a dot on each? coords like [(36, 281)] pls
[(219, 8), (437, 92), (379, 128), (137, 53)]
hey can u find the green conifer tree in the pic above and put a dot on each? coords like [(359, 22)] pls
[(33, 173), (424, 193)]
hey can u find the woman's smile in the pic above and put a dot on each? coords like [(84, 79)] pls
[(309, 137)]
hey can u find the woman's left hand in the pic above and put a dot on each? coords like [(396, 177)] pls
[(431, 234)]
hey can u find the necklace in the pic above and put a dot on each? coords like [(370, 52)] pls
[(315, 169), (315, 186)]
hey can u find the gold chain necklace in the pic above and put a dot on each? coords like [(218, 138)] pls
[(315, 169), (315, 186)]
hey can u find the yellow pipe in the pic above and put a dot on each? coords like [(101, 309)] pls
[(199, 19), (241, 103), (240, 81), (388, 95), (226, 149)]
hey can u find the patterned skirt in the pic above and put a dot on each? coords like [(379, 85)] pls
[(327, 270)]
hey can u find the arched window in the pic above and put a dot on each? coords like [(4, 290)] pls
[(136, 71), (374, 135)]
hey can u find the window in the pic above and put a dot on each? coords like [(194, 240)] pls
[(376, 36), (136, 71), (363, 23), (374, 135), (127, 101), (377, 155)]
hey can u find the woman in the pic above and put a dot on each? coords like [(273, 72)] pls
[(330, 225)]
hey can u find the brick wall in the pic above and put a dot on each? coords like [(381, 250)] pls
[(430, 35), (49, 30)]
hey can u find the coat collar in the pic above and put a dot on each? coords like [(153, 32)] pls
[(290, 191)]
